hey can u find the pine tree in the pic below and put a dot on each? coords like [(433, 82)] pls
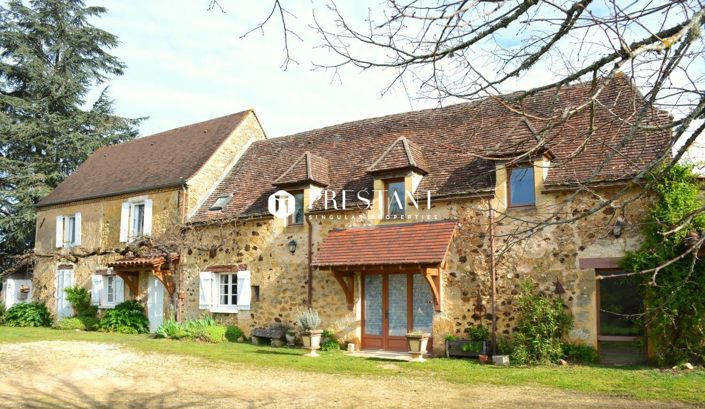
[(51, 56)]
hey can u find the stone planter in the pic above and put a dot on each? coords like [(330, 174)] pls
[(417, 345), (312, 341), (290, 339), (466, 348)]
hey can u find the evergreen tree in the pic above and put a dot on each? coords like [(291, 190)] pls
[(51, 57)]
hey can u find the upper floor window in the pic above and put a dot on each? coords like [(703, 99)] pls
[(520, 189), (394, 197), (298, 216), (135, 219), (68, 230)]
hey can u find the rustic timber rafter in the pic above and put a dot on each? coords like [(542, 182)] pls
[(433, 278), (347, 282), (131, 279)]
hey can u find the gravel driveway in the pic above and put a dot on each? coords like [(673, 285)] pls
[(57, 374)]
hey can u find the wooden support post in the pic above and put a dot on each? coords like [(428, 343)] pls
[(347, 285), (433, 278), (132, 281)]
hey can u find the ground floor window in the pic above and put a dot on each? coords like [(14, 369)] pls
[(227, 289), (620, 329)]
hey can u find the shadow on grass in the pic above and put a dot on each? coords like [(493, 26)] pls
[(277, 351)]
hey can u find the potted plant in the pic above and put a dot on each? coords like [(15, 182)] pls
[(311, 335), (418, 342), (473, 347)]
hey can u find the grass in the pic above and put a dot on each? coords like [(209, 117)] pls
[(632, 382)]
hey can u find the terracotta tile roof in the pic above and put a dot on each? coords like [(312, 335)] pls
[(393, 244), (308, 168), (454, 141), (141, 261), (162, 160), (401, 154)]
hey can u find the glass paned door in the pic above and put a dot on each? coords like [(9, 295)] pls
[(394, 304), (397, 305), (620, 334), (423, 304), (373, 304)]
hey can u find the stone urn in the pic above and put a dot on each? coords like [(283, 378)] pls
[(290, 339), (312, 341), (418, 342)]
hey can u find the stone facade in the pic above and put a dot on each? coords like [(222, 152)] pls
[(550, 257), (100, 220)]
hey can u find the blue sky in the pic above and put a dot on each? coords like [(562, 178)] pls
[(186, 64)]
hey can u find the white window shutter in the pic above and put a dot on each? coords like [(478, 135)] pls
[(10, 293), (124, 221), (244, 290), (96, 291), (77, 228), (147, 228), (59, 231), (119, 290), (205, 290)]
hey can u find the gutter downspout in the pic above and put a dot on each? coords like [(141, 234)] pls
[(310, 257), (180, 294), (493, 277)]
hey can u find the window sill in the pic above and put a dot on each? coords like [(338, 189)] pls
[(224, 310)]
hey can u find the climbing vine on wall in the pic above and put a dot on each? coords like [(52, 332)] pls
[(672, 277)]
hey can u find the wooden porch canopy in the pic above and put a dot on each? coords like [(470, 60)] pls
[(416, 247), (128, 269)]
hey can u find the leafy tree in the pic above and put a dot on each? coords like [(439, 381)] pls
[(51, 56)]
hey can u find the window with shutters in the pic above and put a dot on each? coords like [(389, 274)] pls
[(109, 283), (68, 230), (227, 289)]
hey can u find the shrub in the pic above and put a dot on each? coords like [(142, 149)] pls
[(309, 320), (330, 341), (2, 313), (580, 353), (504, 346), (214, 334), (542, 323), (28, 315), (170, 329), (127, 317), (234, 333), (478, 334), (80, 300), (70, 324), (451, 337), (195, 328)]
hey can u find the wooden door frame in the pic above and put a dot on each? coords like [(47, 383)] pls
[(598, 303), (384, 339)]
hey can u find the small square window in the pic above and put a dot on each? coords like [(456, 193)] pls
[(220, 203), (521, 186), (227, 289)]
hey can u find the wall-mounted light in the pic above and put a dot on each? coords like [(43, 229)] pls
[(618, 226), (292, 246)]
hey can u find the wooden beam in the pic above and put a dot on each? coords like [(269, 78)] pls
[(132, 281), (347, 285), (433, 278), (167, 278)]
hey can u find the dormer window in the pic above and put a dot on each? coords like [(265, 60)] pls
[(520, 188), (220, 203), (394, 197)]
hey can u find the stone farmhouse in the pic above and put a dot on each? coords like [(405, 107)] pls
[(382, 225)]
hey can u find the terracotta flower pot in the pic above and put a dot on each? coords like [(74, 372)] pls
[(483, 359), (312, 341), (417, 345)]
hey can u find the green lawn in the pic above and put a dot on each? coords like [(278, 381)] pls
[(637, 383)]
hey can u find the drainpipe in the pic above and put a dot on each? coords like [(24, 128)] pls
[(310, 256), (493, 277), (183, 197)]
